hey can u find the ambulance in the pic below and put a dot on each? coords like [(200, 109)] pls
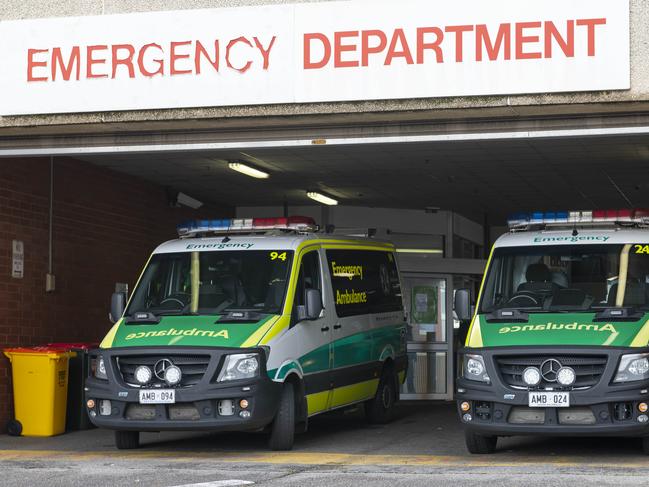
[(252, 325), (559, 342)]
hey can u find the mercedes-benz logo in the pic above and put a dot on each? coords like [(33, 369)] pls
[(549, 369), (160, 367)]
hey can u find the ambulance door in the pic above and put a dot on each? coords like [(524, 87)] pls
[(314, 335), (353, 370)]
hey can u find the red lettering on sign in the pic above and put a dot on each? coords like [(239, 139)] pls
[(567, 45), (123, 61), (66, 69), (140, 60), (265, 52), (175, 56), (339, 48), (503, 40), (404, 52), (459, 31), (202, 52), (308, 63), (591, 24), (31, 64), (521, 40), (228, 50), (367, 49), (91, 61), (434, 46)]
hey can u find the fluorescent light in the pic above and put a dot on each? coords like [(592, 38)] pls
[(420, 251), (320, 198), (247, 170)]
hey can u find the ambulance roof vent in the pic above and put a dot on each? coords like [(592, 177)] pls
[(539, 220), (227, 226)]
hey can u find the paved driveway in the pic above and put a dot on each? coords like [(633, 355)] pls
[(423, 446)]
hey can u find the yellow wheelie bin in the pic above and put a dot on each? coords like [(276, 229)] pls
[(40, 382)]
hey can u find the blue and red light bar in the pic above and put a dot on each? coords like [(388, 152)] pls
[(243, 225), (638, 216)]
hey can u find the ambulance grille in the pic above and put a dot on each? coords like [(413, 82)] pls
[(193, 367), (588, 368)]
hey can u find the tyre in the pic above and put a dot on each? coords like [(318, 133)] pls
[(380, 409), (282, 431), (14, 428), (127, 440), (645, 445), (480, 445)]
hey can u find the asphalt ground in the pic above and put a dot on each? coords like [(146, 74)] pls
[(423, 446)]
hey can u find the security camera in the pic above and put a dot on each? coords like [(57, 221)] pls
[(185, 200)]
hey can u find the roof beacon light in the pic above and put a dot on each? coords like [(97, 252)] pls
[(524, 221), (247, 225)]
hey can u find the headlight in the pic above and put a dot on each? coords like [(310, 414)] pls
[(173, 375), (239, 366), (100, 368), (632, 367), (474, 368)]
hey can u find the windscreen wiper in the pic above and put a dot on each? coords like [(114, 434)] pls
[(507, 315), (624, 313), (233, 315), (143, 318)]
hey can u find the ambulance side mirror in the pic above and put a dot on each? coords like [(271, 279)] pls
[(462, 305), (117, 306), (313, 300)]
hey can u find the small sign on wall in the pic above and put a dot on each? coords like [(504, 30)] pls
[(17, 259)]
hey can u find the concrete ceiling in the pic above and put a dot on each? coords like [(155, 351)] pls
[(470, 177)]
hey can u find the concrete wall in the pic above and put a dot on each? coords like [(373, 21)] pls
[(637, 98), (105, 226), (417, 228)]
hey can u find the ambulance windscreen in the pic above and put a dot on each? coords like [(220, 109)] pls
[(568, 278), (213, 283)]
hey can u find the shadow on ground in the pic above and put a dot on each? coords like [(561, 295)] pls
[(418, 429)]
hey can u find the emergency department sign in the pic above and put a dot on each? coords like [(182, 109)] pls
[(312, 52)]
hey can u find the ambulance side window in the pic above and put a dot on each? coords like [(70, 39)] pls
[(364, 282), (308, 278)]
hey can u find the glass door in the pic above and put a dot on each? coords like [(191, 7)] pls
[(428, 302)]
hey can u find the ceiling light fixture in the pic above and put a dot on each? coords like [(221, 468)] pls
[(420, 251), (248, 170), (320, 198)]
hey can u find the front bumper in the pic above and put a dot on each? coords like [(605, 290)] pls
[(196, 407), (605, 409)]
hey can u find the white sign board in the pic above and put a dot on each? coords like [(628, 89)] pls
[(313, 52), (17, 259)]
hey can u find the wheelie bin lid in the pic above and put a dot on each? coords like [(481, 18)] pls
[(42, 350)]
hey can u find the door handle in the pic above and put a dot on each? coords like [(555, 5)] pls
[(337, 327), (326, 328)]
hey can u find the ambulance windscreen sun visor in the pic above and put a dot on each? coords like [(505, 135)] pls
[(215, 282)]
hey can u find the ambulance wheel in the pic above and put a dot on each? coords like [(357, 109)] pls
[(282, 431), (645, 445), (127, 440), (480, 445), (14, 428), (380, 409)]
